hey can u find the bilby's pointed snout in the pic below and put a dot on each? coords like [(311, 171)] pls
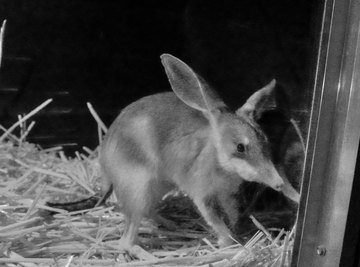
[(283, 185), (277, 181)]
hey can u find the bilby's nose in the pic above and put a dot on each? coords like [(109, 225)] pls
[(279, 186)]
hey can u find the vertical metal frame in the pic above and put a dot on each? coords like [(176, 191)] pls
[(333, 138)]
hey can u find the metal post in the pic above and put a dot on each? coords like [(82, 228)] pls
[(333, 138)]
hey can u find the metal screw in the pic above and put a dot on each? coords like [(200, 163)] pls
[(321, 251)]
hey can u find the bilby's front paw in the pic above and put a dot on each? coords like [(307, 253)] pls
[(133, 251), (225, 241), (141, 254)]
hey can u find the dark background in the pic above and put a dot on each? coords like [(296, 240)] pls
[(107, 53)]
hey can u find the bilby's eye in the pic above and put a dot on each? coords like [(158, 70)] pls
[(240, 148)]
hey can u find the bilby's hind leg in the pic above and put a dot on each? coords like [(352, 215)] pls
[(136, 201), (130, 234)]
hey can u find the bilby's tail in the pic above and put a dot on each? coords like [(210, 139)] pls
[(88, 203)]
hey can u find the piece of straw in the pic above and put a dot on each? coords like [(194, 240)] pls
[(27, 116), (26, 132), (298, 132), (2, 31), (261, 227), (285, 251), (35, 201), (96, 117), (19, 224)]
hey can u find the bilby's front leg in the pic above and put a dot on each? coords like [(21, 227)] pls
[(221, 216)]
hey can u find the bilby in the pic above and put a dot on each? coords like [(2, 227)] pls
[(187, 139)]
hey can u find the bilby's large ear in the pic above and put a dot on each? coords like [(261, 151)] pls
[(189, 87), (258, 102)]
